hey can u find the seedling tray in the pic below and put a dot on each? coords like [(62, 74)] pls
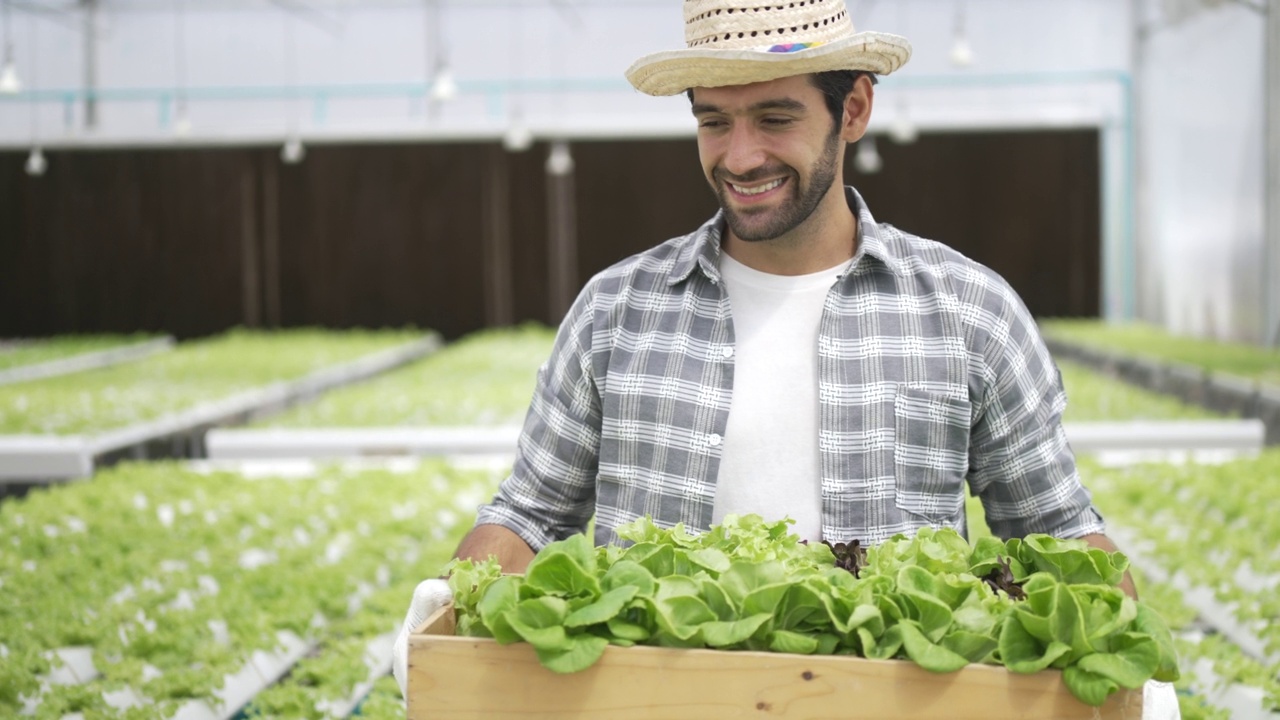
[(454, 678)]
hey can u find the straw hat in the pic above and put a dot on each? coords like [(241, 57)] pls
[(735, 42)]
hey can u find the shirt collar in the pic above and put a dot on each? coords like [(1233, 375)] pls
[(702, 250), (872, 239)]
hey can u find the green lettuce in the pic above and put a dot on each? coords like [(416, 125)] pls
[(1030, 604)]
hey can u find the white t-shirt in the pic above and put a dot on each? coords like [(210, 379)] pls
[(769, 461)]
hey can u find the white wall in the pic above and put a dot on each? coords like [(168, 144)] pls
[(1202, 172), (1038, 63)]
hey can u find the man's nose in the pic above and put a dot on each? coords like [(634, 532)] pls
[(745, 151)]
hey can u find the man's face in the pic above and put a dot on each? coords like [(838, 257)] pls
[(770, 151)]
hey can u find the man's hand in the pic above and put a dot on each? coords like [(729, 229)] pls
[(429, 596)]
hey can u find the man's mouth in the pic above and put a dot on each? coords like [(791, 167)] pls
[(752, 190)]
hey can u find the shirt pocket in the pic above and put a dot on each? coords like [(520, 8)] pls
[(930, 453)]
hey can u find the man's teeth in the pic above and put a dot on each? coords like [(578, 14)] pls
[(757, 190)]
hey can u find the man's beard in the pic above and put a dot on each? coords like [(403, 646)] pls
[(795, 209)]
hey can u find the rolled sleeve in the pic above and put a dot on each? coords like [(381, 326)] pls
[(1021, 467), (550, 493)]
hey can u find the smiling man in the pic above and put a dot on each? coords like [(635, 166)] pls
[(773, 154), (792, 357)]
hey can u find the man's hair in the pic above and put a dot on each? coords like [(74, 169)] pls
[(835, 86)]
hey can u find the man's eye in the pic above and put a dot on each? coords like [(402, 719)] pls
[(709, 123), (778, 121)]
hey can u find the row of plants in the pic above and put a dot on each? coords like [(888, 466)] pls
[(1223, 510), (1094, 397), (195, 372), (1229, 665), (176, 578), (325, 681), (335, 670), (485, 378), (1128, 497), (1152, 342), (18, 353), (1212, 527)]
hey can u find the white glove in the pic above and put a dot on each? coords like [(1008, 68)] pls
[(1160, 701), (428, 597)]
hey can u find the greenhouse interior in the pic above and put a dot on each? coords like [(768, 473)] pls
[(300, 298)]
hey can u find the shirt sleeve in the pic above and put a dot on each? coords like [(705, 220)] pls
[(550, 493), (1021, 467)]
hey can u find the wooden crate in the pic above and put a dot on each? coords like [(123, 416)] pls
[(451, 678)]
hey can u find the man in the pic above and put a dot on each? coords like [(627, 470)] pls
[(792, 357)]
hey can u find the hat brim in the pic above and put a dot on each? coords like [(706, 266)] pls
[(673, 71)]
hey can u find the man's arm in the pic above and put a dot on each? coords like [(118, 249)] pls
[(1103, 542), (513, 553), (551, 491)]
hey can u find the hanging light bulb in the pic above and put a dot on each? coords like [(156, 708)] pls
[(444, 88), (10, 84), (293, 151), (867, 160), (902, 130), (181, 121), (518, 137), (961, 52), (559, 161), (36, 164)]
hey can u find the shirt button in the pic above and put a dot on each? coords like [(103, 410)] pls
[(727, 351), (714, 440)]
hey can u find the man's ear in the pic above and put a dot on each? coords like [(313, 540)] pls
[(857, 110)]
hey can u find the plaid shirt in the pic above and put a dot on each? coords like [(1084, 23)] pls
[(931, 374)]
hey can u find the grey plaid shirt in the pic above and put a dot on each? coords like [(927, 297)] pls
[(931, 373)]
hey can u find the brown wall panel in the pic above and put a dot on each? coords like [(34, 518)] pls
[(118, 241), (1026, 204), (383, 236), (634, 195), (528, 202)]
